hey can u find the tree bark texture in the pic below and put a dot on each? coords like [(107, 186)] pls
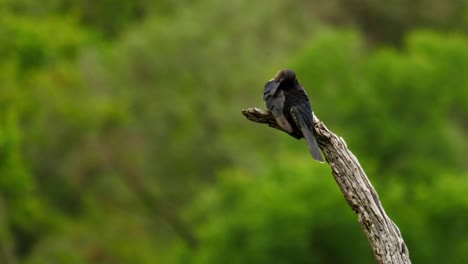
[(383, 235)]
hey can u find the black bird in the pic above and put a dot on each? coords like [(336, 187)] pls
[(287, 100)]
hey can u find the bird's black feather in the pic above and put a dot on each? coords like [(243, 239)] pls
[(274, 99), (304, 122), (289, 104)]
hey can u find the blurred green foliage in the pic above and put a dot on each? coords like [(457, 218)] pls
[(121, 139)]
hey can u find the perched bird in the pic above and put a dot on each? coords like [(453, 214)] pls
[(287, 100)]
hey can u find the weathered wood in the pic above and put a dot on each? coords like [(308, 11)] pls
[(384, 236)]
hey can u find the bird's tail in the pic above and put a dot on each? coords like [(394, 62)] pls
[(306, 125), (313, 146)]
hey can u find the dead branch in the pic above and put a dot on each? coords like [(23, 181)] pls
[(384, 236)]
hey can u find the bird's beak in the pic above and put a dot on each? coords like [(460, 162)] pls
[(271, 86)]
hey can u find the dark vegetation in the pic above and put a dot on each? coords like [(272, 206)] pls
[(121, 138)]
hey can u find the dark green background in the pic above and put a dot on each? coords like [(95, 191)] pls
[(121, 138)]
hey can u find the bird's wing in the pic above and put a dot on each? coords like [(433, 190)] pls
[(302, 115), (270, 89), (274, 99)]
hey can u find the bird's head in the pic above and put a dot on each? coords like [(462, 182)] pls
[(285, 76), (286, 79)]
